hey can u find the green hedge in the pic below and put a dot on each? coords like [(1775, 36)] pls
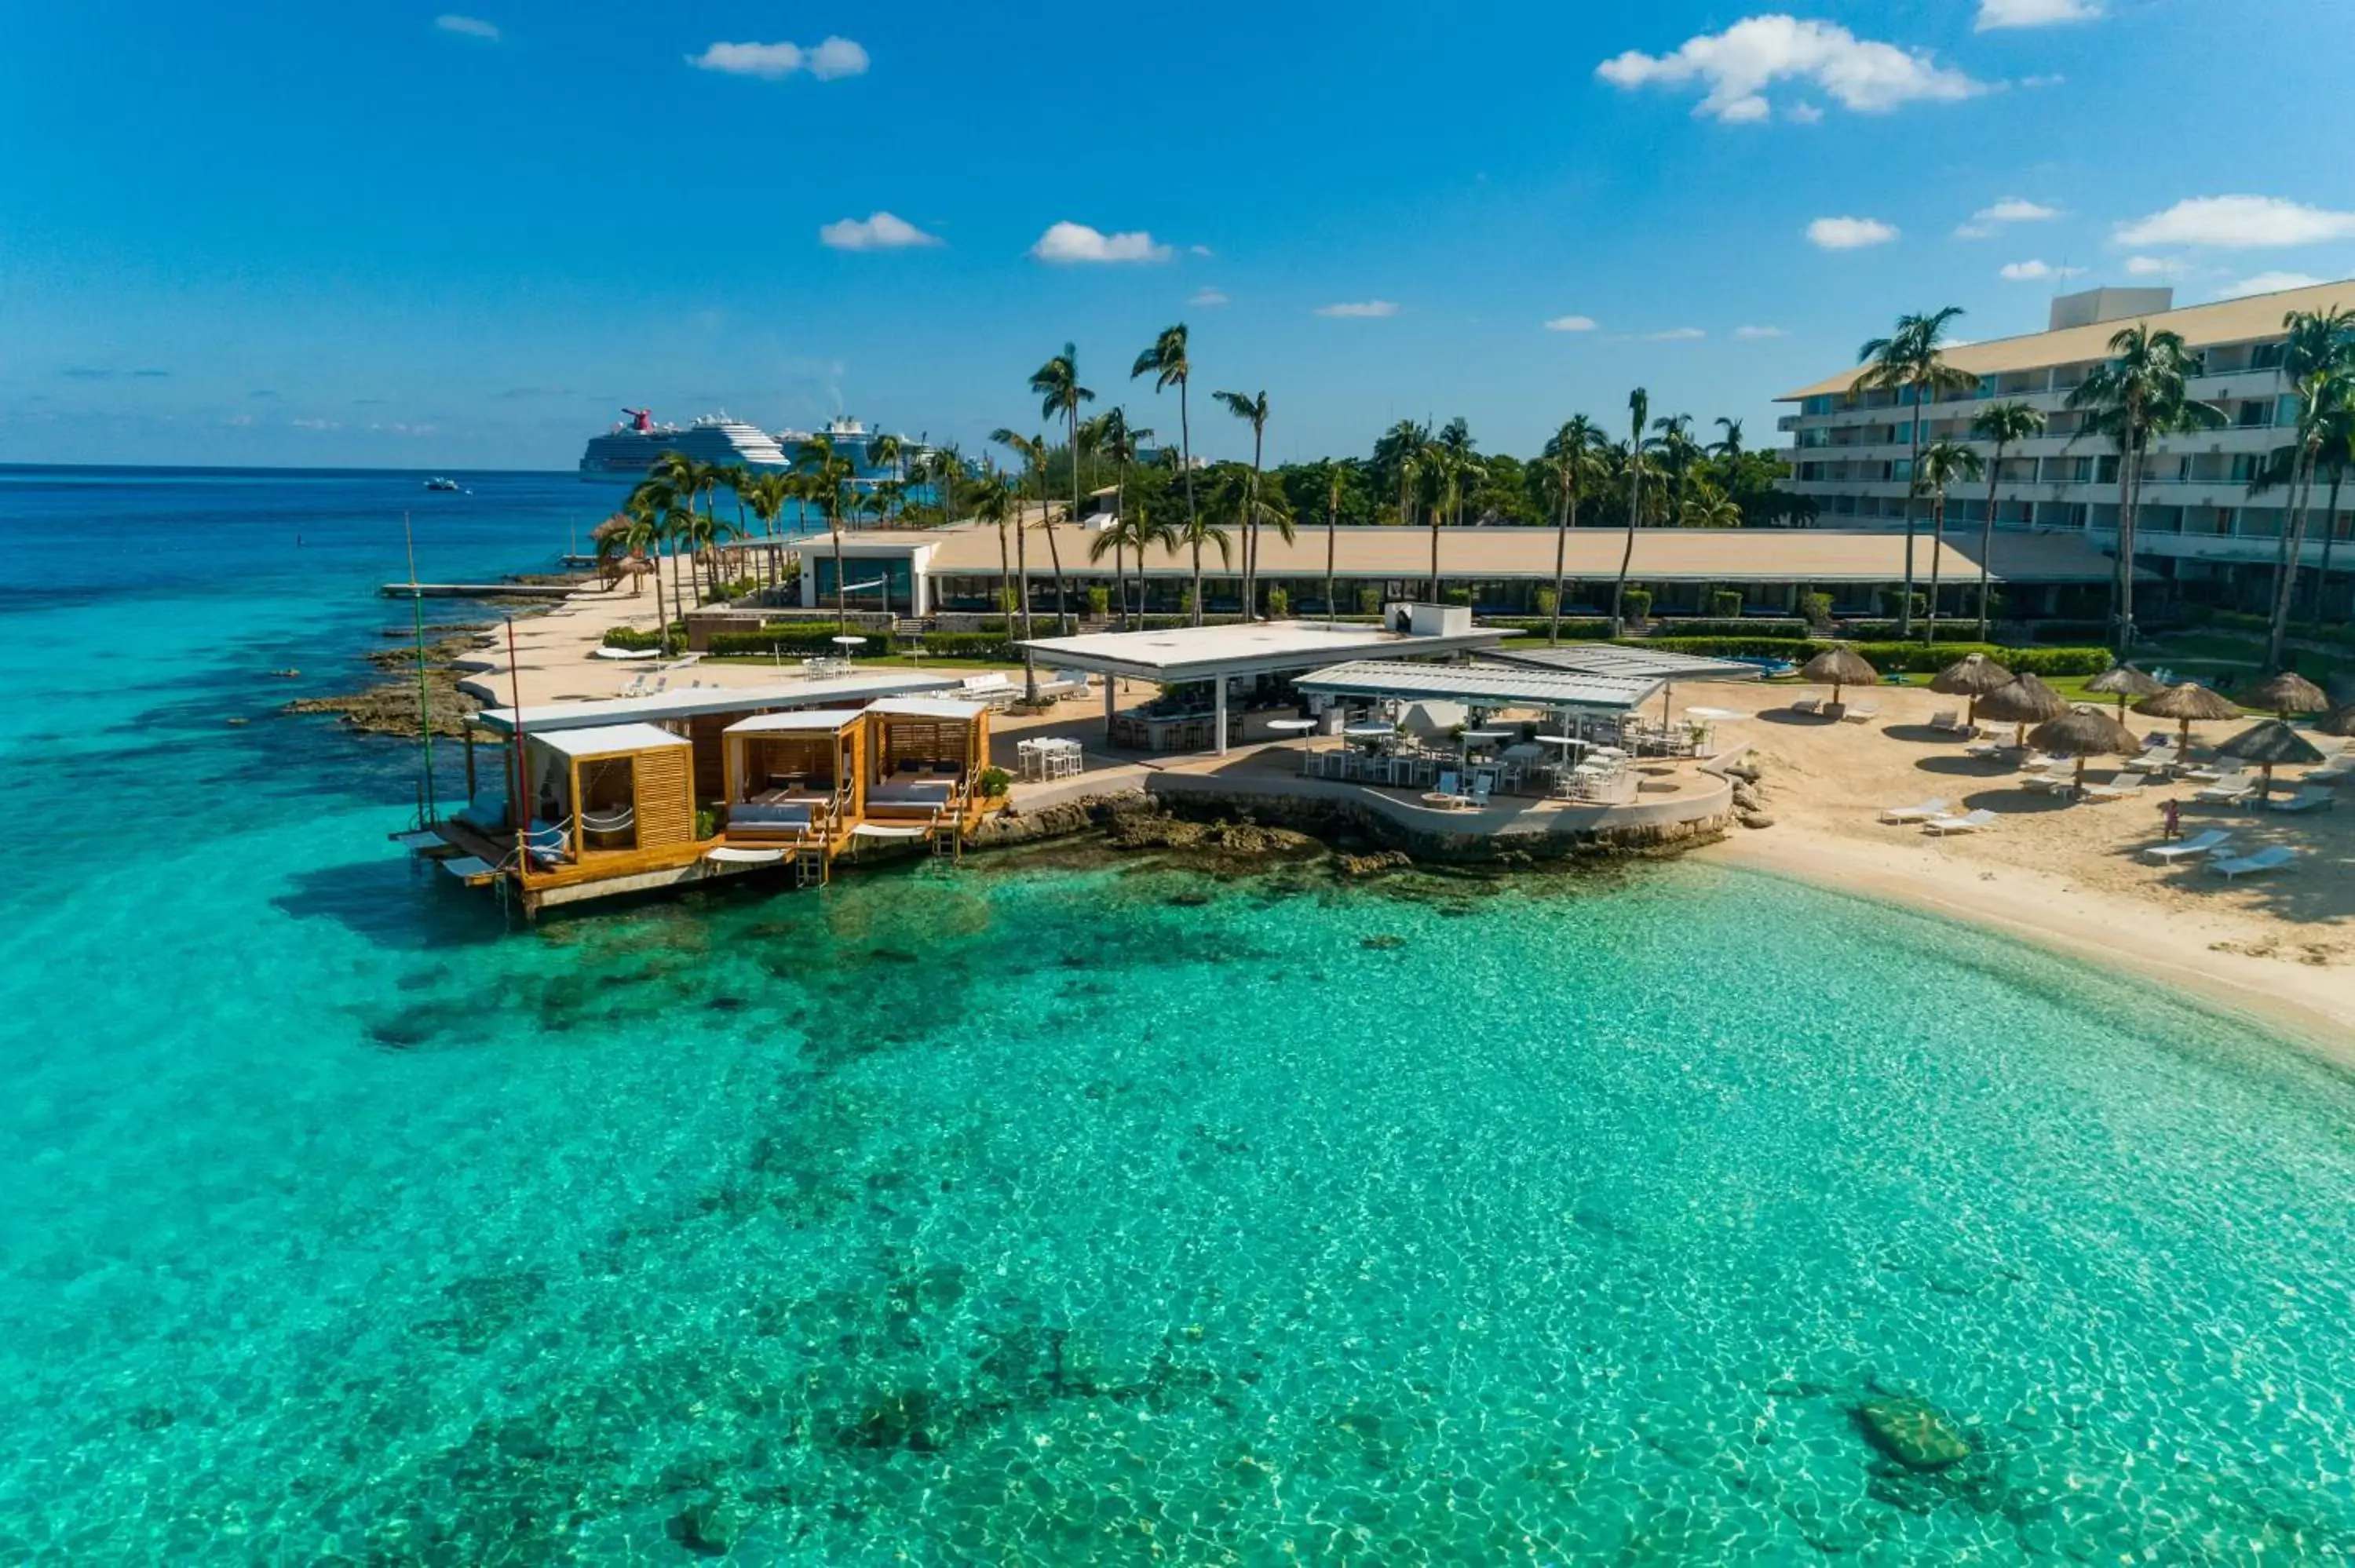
[(1762, 626), (631, 638), (1893, 658), (796, 640), (1583, 629), (970, 645)]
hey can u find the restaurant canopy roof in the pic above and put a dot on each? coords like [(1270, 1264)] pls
[(1614, 659), (930, 708), (802, 721), (609, 740), (1267, 648), (1483, 686), (693, 702)]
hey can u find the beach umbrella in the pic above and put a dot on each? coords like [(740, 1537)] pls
[(1840, 666), (2082, 733), (2289, 693), (2123, 681), (2184, 703), (2338, 721), (2024, 701), (2271, 745), (1974, 676)]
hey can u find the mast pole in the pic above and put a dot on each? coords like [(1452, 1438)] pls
[(424, 696)]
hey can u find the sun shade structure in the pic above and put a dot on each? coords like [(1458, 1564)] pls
[(2186, 704), (1972, 676), (2289, 693), (1483, 686), (1612, 659), (795, 776), (2082, 733), (2338, 721), (1841, 666), (1206, 652), (2025, 701), (700, 702), (2271, 745), (2123, 681)]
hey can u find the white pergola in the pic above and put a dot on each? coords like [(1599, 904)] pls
[(1219, 653)]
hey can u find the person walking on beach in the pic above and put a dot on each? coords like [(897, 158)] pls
[(2170, 821)]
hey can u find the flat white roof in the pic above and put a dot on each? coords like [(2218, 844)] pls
[(930, 707), (604, 740), (805, 721), (1205, 652), (1489, 685), (689, 702), (1614, 658)]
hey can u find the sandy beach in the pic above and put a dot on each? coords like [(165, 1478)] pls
[(2281, 947)]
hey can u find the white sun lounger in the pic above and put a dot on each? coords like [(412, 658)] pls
[(1970, 822), (2157, 759), (1949, 719), (2113, 790), (2228, 791), (1806, 705), (1934, 807), (2271, 858), (1856, 712), (2215, 841), (2320, 799)]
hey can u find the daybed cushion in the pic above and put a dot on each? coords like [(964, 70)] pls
[(905, 791), (783, 817)]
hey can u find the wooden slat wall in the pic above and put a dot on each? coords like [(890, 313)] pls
[(710, 760), (665, 801)]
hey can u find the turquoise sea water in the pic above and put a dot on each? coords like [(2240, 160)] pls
[(1046, 1211)]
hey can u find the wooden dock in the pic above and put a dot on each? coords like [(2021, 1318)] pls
[(476, 590)]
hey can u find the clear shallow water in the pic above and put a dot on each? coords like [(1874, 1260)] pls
[(1039, 1212)]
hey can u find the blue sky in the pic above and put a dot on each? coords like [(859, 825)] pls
[(378, 235)]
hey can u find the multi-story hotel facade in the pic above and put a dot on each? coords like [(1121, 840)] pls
[(1851, 452)]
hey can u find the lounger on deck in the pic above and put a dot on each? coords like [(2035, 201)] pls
[(2305, 801), (2271, 858), (2215, 841), (1970, 822), (1934, 807), (487, 810), (910, 796), (791, 819)]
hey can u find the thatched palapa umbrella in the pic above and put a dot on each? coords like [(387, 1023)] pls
[(2289, 693), (2082, 733), (2184, 703), (2338, 721), (1975, 675), (2271, 745), (2123, 681), (1840, 666), (2024, 701)]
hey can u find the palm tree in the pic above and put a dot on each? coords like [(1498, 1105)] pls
[(1575, 464), (1034, 461), (825, 474), (1057, 382), (1333, 480), (2138, 393), (887, 456), (643, 536), (1198, 531), (1999, 427), (1439, 478), (1639, 406), (994, 503), (686, 478), (1130, 532), (1402, 447), (1912, 362), (1678, 453), (2320, 361), (1166, 361), (1252, 411), (1707, 506), (1455, 439), (1943, 463), (766, 494), (2339, 455), (1729, 450)]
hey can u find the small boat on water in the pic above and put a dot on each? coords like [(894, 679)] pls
[(438, 483)]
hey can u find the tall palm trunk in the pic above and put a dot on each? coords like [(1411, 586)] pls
[(1055, 555), (1937, 556), (1005, 578), (662, 616), (1072, 425), (2293, 544), (1560, 562), (1332, 529), (841, 582), (1186, 456), (1251, 538), (1438, 510), (1120, 521), (2127, 522), (1987, 537), (2329, 537), (1022, 567), (1627, 555), (1905, 605)]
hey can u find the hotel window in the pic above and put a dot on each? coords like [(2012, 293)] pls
[(1902, 469), (2106, 470), (2266, 357), (2253, 415)]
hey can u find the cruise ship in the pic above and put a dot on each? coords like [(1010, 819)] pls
[(627, 450)]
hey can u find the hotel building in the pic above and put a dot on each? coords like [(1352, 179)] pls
[(1851, 452)]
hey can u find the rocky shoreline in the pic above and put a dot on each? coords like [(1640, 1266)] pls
[(390, 706)]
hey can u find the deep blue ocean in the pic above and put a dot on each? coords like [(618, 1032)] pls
[(1054, 1209)]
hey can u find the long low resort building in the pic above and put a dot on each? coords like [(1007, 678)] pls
[(1499, 570)]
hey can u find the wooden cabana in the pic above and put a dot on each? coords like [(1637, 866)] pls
[(925, 755), (799, 775), (623, 788)]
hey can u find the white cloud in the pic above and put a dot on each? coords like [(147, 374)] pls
[(1753, 333), (881, 232), (1676, 334), (1805, 113), (1068, 242), (2267, 283), (1360, 308), (1849, 233), (2238, 223), (2035, 271), (835, 57), (1742, 62), (469, 26), (1571, 324), (1994, 14), (1200, 250), (1207, 298), (2154, 266), (1988, 221)]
